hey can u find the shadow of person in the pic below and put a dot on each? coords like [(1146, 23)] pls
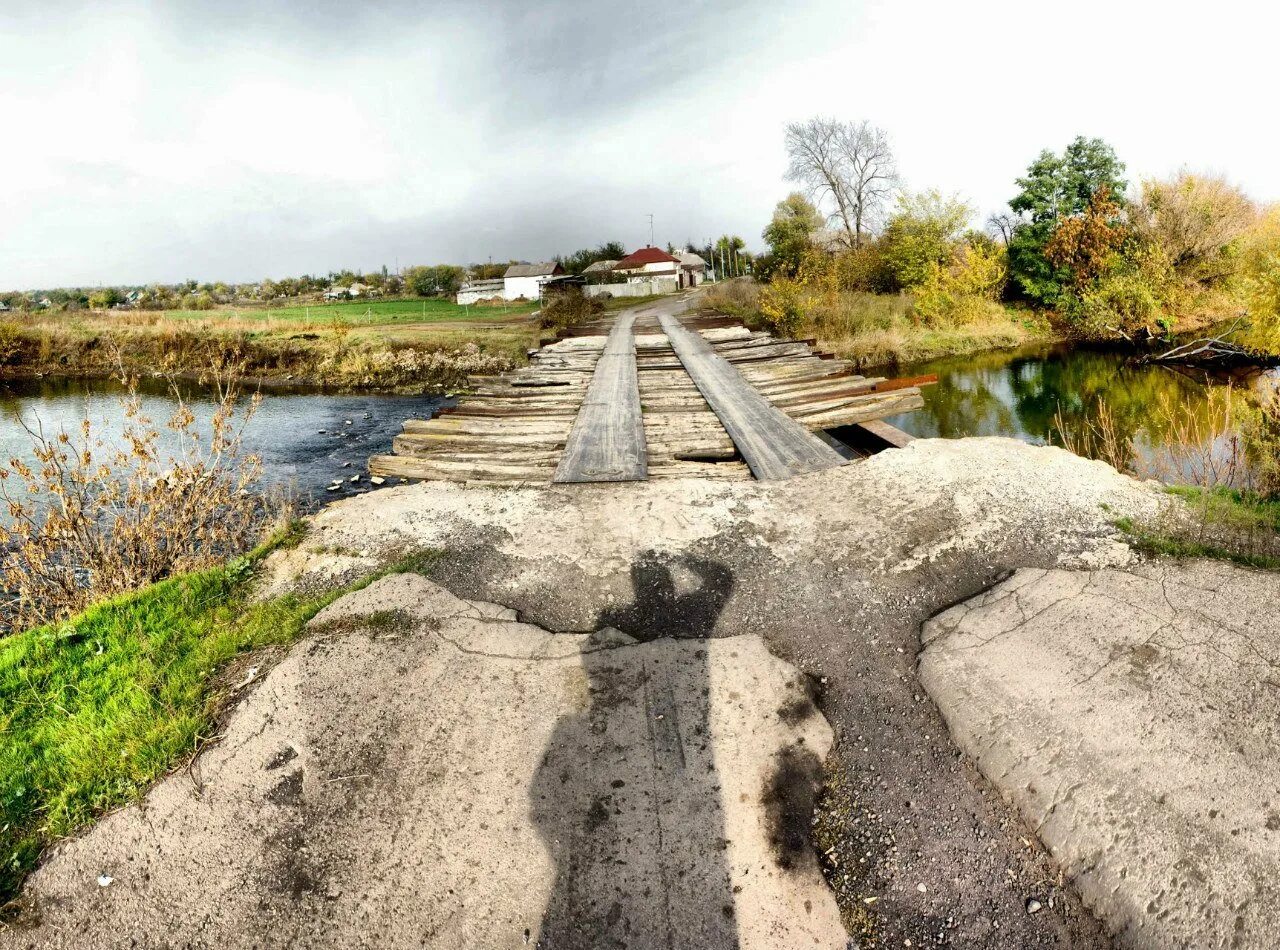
[(627, 797), (672, 597)]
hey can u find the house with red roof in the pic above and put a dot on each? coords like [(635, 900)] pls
[(649, 263)]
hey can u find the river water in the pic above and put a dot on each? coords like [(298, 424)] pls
[(305, 439), (1020, 394), (309, 439)]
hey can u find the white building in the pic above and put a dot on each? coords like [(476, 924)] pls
[(693, 269), (477, 290), (526, 280)]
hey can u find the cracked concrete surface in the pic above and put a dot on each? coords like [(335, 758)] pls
[(1132, 716), (429, 772), (836, 571)]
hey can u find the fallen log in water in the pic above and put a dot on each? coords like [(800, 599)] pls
[(1214, 352)]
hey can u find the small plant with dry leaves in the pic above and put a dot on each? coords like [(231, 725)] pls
[(89, 519)]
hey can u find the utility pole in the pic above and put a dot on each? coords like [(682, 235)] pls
[(651, 230)]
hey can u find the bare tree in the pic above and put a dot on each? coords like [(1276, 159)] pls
[(848, 164), (1002, 224)]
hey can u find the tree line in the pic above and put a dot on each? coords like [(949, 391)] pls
[(1103, 257)]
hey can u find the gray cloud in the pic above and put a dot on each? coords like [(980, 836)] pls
[(236, 139)]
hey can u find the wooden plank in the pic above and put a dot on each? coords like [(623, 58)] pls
[(606, 443), (887, 433), (772, 443)]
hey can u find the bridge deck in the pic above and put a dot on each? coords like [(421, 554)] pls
[(773, 444), (607, 441), (570, 415)]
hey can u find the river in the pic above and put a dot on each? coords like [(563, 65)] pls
[(1020, 393), (306, 439), (309, 439)]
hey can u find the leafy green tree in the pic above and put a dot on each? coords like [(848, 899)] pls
[(924, 232), (1055, 188), (104, 299), (580, 260), (790, 233), (429, 281)]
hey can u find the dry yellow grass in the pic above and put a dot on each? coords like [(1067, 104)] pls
[(420, 355), (882, 329)]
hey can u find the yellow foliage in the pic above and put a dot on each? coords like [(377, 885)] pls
[(1260, 279), (964, 291)]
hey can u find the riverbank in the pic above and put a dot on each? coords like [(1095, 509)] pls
[(881, 331), (408, 346), (390, 346)]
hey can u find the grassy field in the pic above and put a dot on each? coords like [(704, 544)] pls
[(401, 345)]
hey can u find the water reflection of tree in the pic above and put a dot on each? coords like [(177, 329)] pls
[(1023, 394)]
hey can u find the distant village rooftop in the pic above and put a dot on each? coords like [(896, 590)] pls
[(644, 257), (544, 269)]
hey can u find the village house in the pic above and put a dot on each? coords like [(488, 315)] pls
[(693, 269), (648, 264), (599, 267), (475, 291), (357, 289), (526, 280)]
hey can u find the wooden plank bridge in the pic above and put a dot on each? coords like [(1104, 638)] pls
[(657, 391)]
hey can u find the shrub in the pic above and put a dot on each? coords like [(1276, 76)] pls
[(1198, 221), (569, 308), (782, 306), (89, 521), (922, 233), (966, 290), (201, 301), (1260, 433), (1260, 280), (11, 343)]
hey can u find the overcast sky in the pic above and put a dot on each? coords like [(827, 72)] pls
[(236, 140)]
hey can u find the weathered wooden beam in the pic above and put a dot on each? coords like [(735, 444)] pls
[(607, 442), (772, 443)]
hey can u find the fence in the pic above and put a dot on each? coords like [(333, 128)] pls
[(647, 288)]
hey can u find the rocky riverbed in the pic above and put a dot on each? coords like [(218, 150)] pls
[(748, 650)]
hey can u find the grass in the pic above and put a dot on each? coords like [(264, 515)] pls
[(1220, 523), (388, 345), (380, 345), (882, 330), (94, 710), (351, 312)]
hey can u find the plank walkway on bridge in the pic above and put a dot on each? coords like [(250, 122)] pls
[(773, 444), (606, 443), (520, 428)]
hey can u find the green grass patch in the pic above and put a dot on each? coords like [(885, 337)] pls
[(93, 711), (362, 312), (1220, 523)]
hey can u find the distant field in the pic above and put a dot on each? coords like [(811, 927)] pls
[(410, 345), (355, 312)]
